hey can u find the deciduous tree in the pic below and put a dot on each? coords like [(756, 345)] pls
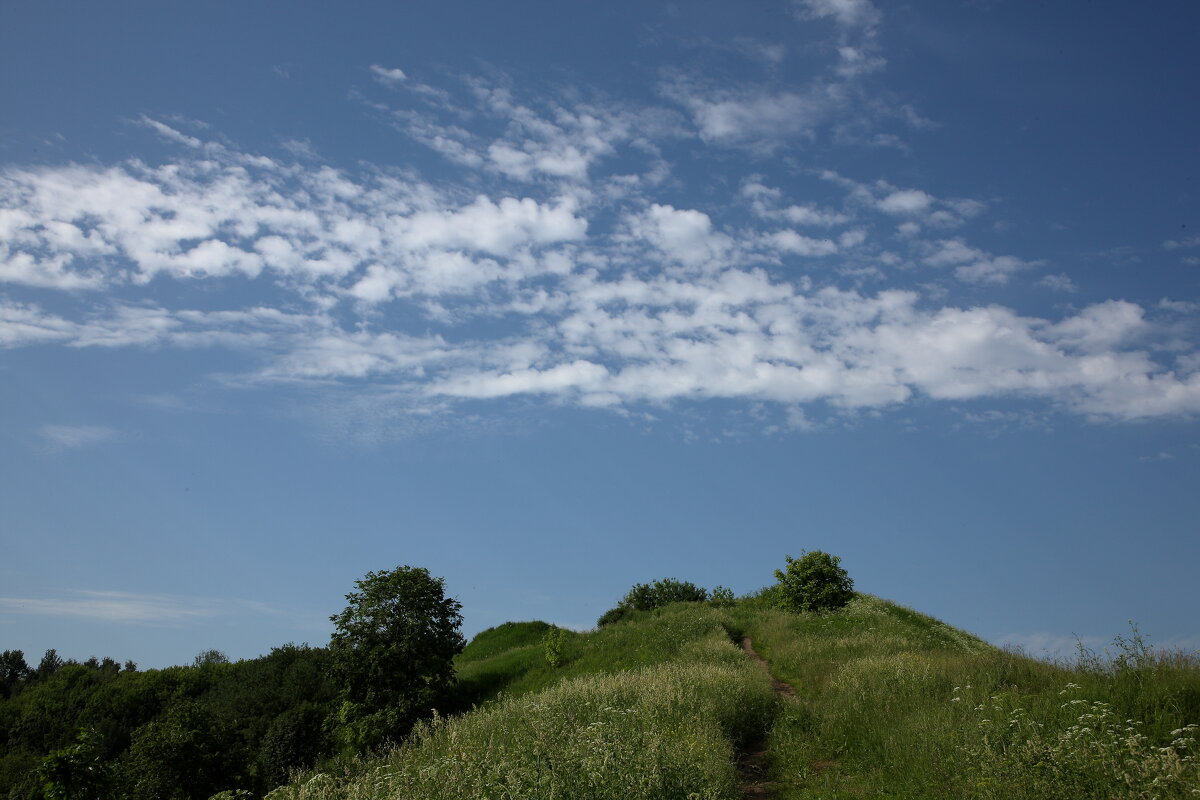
[(813, 582), (393, 653)]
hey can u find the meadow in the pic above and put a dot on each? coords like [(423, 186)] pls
[(888, 703)]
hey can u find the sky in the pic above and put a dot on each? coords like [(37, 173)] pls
[(554, 298)]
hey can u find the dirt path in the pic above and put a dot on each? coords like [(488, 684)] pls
[(753, 762)]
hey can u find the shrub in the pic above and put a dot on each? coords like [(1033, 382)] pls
[(612, 615), (721, 597), (648, 596), (813, 582), (553, 643)]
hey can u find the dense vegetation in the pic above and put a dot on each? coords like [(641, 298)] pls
[(659, 703), (182, 732)]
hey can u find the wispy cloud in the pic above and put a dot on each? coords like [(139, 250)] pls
[(70, 437), (130, 607), (1182, 244), (388, 76)]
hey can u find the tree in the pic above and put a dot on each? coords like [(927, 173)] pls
[(50, 664), (393, 653), (813, 582), (76, 772), (294, 741), (205, 657), (13, 672), (184, 754)]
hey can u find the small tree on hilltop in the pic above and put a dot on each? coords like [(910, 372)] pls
[(648, 596), (393, 653), (813, 582)]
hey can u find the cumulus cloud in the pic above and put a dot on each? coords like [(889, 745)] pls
[(554, 280), (906, 201), (972, 265), (684, 236)]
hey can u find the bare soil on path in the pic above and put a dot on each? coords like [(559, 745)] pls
[(753, 762)]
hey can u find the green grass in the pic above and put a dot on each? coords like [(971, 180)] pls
[(876, 713), (889, 703), (653, 708)]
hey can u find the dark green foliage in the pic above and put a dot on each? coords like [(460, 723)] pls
[(49, 665), (393, 654), (13, 672), (294, 741), (648, 596), (209, 657), (722, 597), (613, 615), (78, 771), (184, 755), (140, 722), (813, 582)]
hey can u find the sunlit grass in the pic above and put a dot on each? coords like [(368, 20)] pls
[(877, 714), (655, 708), (889, 702)]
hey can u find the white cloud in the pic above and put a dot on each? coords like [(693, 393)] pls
[(997, 270), (130, 607), (1100, 327), (849, 13), (972, 265), (682, 235), (766, 202), (792, 242), (388, 77), (71, 437), (553, 280), (1059, 283), (906, 201), (734, 118)]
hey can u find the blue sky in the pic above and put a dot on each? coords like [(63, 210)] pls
[(552, 298)]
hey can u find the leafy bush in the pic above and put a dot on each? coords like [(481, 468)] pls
[(613, 615), (294, 741), (722, 597), (813, 582), (76, 772), (553, 643), (648, 596)]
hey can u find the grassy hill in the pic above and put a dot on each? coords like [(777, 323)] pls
[(888, 702)]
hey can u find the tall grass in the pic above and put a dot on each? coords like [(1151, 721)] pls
[(893, 702), (656, 708)]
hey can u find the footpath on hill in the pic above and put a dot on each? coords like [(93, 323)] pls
[(753, 762)]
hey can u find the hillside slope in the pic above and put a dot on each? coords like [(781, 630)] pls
[(887, 702)]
